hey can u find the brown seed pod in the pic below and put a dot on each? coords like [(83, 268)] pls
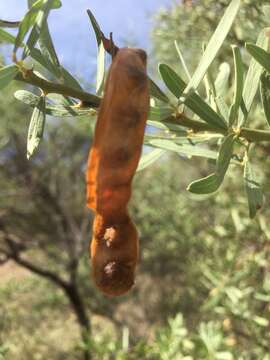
[(112, 163)]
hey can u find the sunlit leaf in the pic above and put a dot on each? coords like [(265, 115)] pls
[(100, 54), (214, 45), (181, 57), (29, 20), (39, 25), (36, 127)]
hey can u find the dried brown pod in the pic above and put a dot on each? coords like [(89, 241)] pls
[(112, 163)]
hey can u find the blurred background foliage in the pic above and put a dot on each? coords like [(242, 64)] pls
[(203, 285)]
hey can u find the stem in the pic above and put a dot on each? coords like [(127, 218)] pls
[(94, 101), (249, 134), (49, 87)]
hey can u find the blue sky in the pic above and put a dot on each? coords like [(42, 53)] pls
[(73, 37)]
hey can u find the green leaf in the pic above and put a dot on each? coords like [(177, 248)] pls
[(265, 94), (39, 22), (7, 74), (29, 20), (253, 77), (160, 113), (100, 54), (70, 79), (206, 185), (47, 47), (167, 126), (95, 26), (156, 92), (36, 127), (212, 182), (222, 79), (172, 80), (181, 57), (54, 110), (67, 78), (238, 84), (188, 150), (260, 55), (6, 37), (176, 85), (149, 158), (100, 69), (253, 190), (214, 45)]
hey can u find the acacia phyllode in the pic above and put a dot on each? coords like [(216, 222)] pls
[(112, 163)]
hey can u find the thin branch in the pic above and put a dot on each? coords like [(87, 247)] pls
[(49, 87)]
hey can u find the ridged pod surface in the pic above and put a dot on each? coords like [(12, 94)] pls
[(112, 163)]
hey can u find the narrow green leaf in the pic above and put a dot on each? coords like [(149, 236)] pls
[(67, 78), (95, 26), (47, 47), (260, 55), (238, 84), (6, 37), (70, 79), (156, 92), (222, 79), (36, 127), (206, 185), (188, 150), (214, 45), (265, 94), (204, 111), (29, 20), (160, 113), (100, 54), (211, 183), (181, 57), (7, 74), (149, 158), (176, 85), (253, 190), (100, 69), (38, 26), (168, 127), (253, 77), (225, 154), (172, 80)]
